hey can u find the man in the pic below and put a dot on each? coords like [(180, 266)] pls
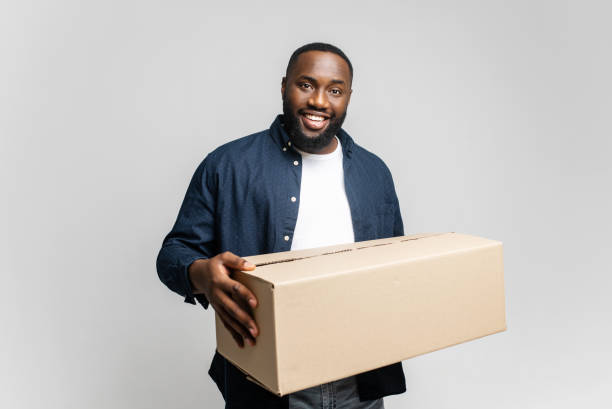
[(302, 183)]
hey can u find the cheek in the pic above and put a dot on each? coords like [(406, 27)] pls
[(290, 101), (340, 106), (294, 100)]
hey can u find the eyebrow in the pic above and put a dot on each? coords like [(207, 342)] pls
[(306, 77)]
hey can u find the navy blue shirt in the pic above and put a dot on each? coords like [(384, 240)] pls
[(239, 200)]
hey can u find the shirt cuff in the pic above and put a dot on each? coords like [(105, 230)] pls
[(202, 300)]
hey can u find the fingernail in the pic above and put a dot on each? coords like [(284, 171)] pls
[(252, 331), (248, 264), (250, 341), (252, 302)]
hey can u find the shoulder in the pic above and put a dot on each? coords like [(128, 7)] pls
[(238, 148), (237, 152), (231, 158)]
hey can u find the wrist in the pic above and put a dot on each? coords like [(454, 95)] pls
[(196, 272)]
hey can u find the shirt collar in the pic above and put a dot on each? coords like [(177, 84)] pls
[(280, 136)]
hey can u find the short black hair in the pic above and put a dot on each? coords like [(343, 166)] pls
[(318, 47)]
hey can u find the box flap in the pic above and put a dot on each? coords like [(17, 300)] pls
[(285, 256), (290, 267)]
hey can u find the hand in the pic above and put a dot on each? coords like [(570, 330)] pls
[(230, 299)]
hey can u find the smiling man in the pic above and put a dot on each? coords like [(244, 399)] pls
[(302, 183)]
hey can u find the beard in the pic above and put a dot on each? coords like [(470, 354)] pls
[(311, 144)]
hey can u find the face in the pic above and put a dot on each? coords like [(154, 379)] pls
[(316, 93)]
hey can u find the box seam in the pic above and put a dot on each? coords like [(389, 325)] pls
[(351, 271)]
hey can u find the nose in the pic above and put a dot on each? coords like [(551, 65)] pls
[(318, 99)]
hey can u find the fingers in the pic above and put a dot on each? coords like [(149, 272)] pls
[(237, 337), (243, 318), (233, 261), (232, 300), (238, 331), (241, 294)]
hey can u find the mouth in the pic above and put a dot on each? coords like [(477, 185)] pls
[(314, 122)]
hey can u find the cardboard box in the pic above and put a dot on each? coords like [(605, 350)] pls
[(332, 312)]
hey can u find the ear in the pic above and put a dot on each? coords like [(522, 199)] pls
[(349, 96), (283, 84)]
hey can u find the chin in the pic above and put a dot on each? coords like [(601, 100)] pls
[(312, 134)]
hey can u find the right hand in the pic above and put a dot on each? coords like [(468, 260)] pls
[(232, 301)]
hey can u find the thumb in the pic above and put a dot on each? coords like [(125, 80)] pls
[(238, 263)]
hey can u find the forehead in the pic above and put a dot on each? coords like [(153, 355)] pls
[(321, 64)]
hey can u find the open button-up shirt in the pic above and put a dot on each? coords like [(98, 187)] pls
[(244, 198)]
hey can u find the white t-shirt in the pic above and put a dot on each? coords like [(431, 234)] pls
[(324, 215)]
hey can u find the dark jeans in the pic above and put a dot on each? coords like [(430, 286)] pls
[(341, 394)]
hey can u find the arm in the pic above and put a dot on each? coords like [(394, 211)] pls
[(192, 237), (185, 263)]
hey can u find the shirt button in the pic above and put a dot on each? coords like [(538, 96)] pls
[(284, 149), (289, 143), (293, 199), (286, 238), (295, 162)]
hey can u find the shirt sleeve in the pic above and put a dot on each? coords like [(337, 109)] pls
[(193, 235), (398, 224)]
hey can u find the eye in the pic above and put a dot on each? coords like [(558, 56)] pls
[(305, 85), (336, 91)]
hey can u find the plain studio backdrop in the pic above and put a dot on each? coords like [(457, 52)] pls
[(493, 116)]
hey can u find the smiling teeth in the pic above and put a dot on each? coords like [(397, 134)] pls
[(314, 117)]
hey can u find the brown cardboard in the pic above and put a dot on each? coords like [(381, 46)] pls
[(331, 312)]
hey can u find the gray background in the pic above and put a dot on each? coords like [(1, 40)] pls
[(493, 116)]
